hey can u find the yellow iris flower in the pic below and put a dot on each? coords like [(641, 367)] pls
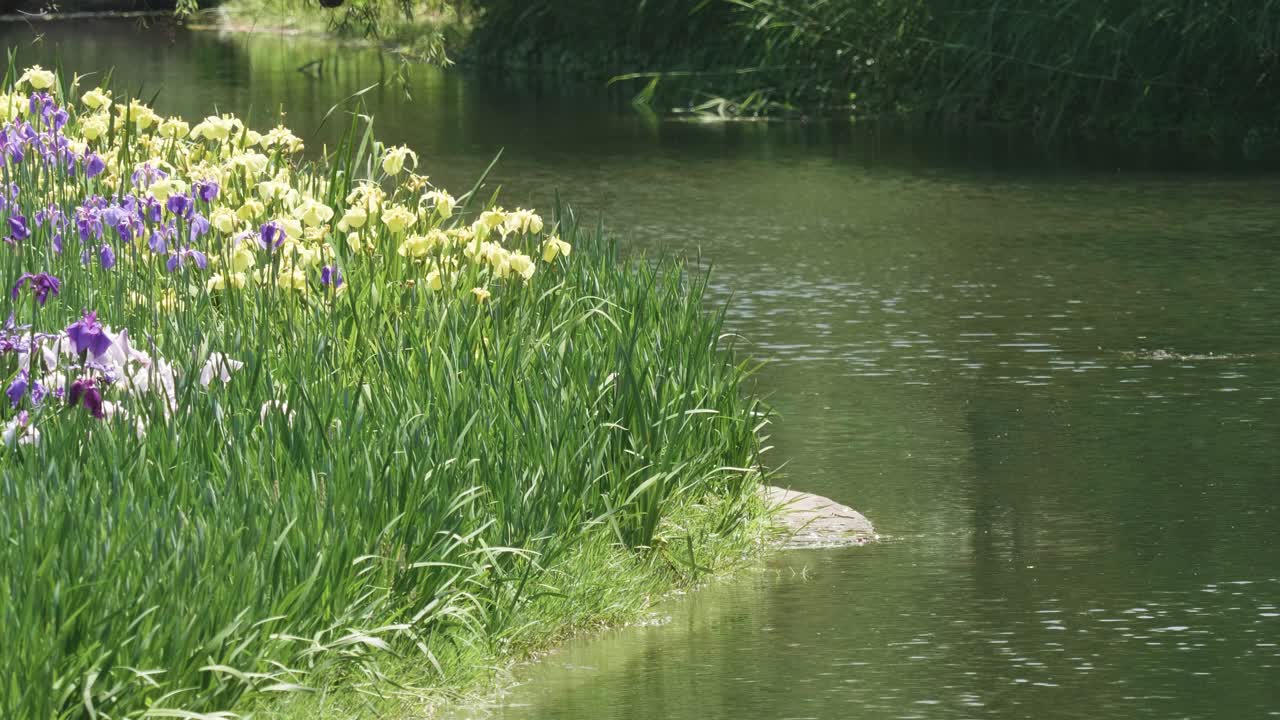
[(37, 77), (96, 99), (394, 159), (555, 247), (397, 218)]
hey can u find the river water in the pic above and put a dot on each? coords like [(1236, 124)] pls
[(1053, 382)]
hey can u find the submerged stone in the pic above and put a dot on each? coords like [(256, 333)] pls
[(809, 520)]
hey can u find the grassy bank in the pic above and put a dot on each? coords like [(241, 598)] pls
[(278, 423), (1206, 70), (1199, 71), (600, 584)]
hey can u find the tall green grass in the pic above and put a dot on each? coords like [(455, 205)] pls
[(394, 477), (1082, 66)]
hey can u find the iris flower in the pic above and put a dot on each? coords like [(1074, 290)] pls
[(330, 274), (87, 335), (179, 258), (18, 388), (85, 389), (198, 226), (393, 162), (160, 237), (41, 285), (20, 431), (180, 205), (555, 247), (271, 234), (18, 227), (206, 190), (38, 77), (96, 98)]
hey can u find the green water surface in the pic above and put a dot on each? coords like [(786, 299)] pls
[(959, 335)]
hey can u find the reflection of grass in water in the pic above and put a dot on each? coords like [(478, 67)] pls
[(594, 662), (421, 29)]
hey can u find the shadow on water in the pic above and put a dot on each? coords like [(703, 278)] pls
[(996, 354)]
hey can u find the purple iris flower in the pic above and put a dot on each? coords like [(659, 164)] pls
[(45, 104), (57, 243), (89, 222), (146, 175), (41, 285), (151, 209), (18, 226), (56, 146), (39, 392), (15, 153), (60, 118), (52, 215), (93, 165), (18, 388), (161, 236), (86, 389), (14, 337), (111, 215), (130, 227), (180, 204), (271, 234), (331, 274), (87, 335), (206, 190), (180, 258), (107, 257), (199, 226)]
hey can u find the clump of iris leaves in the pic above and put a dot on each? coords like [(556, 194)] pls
[(453, 481)]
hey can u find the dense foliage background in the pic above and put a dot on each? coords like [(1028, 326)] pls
[(1085, 66)]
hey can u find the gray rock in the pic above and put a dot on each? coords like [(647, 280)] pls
[(809, 520)]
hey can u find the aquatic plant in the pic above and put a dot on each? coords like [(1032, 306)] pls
[(273, 417)]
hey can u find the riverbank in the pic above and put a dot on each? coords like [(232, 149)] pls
[(601, 587), (277, 425), (1099, 69), (1156, 70)]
